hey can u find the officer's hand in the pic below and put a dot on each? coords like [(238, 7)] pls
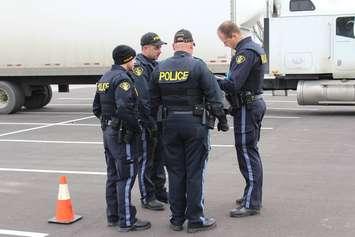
[(222, 126), (220, 82)]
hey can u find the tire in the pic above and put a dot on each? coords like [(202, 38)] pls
[(48, 95), (39, 98), (12, 97)]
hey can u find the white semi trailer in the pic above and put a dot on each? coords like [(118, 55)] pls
[(310, 43)]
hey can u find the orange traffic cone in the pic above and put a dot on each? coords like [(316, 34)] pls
[(64, 212)]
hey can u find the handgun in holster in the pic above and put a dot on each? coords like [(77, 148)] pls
[(115, 123), (203, 111), (234, 101), (125, 135), (246, 97)]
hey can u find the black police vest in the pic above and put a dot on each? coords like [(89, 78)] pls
[(147, 65), (254, 82), (178, 81), (106, 89)]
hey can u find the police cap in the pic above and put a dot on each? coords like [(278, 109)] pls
[(123, 54), (183, 36), (151, 38)]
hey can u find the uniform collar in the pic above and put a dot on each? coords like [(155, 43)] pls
[(181, 53), (242, 42), (118, 67), (144, 60)]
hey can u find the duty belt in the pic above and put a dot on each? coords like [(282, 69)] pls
[(247, 99)]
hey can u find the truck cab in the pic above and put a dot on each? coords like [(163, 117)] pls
[(311, 45)]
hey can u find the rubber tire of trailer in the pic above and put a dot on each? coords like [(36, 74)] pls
[(39, 98), (15, 97)]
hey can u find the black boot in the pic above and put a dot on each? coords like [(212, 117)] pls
[(243, 212), (138, 225), (210, 223), (153, 205)]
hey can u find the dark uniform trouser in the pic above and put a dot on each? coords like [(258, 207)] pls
[(185, 143), (121, 160), (146, 186), (247, 125), (151, 173), (158, 175)]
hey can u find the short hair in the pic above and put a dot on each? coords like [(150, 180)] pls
[(227, 28)]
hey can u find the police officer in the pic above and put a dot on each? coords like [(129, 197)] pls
[(181, 87), (151, 173), (244, 88), (115, 104)]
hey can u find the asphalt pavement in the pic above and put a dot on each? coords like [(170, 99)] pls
[(308, 154)]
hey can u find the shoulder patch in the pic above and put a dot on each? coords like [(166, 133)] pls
[(263, 58), (102, 86), (124, 86), (241, 59), (138, 71)]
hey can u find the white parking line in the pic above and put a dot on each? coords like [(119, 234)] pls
[(280, 101), (66, 124), (52, 171), (73, 98), (296, 109), (45, 126), (51, 142), (49, 105), (21, 233), (281, 117), (61, 113), (73, 142)]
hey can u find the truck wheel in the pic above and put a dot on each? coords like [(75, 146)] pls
[(48, 94), (11, 97), (39, 98)]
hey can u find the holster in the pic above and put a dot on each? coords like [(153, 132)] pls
[(210, 120), (234, 101), (125, 135), (204, 111)]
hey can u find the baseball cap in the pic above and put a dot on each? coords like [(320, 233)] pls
[(151, 38), (184, 36)]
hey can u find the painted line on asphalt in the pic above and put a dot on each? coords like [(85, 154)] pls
[(280, 101), (73, 98), (55, 104), (54, 113), (296, 109), (51, 142), (54, 124), (74, 142), (21, 233), (51, 171), (45, 126), (281, 117)]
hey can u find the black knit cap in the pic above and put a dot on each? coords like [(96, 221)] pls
[(184, 36), (151, 38), (123, 54)]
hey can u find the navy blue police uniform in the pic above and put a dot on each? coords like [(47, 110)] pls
[(244, 82), (115, 104), (178, 84), (151, 174)]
